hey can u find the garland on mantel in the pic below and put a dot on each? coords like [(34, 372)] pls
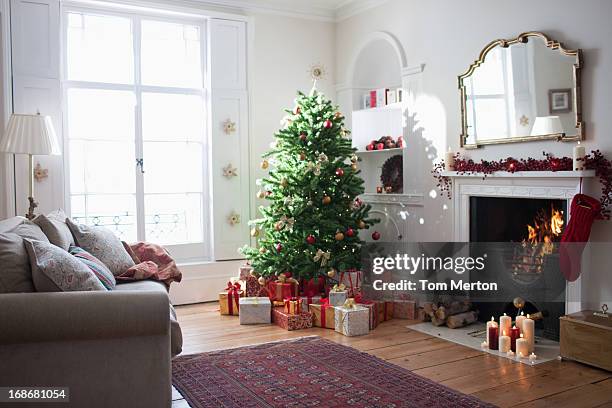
[(593, 161)]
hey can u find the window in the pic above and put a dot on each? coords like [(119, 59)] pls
[(135, 127)]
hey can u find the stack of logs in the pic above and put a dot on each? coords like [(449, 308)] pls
[(452, 313)]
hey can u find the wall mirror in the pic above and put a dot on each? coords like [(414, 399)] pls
[(519, 90)]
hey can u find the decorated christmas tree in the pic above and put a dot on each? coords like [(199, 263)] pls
[(310, 225)]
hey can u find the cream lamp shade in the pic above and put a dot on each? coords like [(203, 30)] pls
[(547, 125), (29, 134)]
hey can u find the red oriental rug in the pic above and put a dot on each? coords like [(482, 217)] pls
[(305, 372)]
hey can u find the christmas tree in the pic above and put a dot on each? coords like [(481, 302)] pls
[(310, 227)]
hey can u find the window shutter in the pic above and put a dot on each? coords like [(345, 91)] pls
[(229, 146)]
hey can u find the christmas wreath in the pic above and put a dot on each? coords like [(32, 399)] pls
[(392, 174), (593, 161)]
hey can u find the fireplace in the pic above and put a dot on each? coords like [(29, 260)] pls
[(521, 232)]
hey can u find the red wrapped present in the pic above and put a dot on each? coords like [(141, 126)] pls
[(293, 305), (291, 322), (404, 309), (385, 310), (373, 308), (283, 288), (352, 281), (229, 299), (245, 271), (312, 287), (254, 289)]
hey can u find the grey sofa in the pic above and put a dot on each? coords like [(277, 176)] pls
[(112, 349)]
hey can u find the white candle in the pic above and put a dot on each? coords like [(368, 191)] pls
[(579, 154), (510, 353), (522, 347), (449, 160), (528, 332), (484, 345), (519, 321), (504, 342), (491, 323), (532, 357), (505, 323)]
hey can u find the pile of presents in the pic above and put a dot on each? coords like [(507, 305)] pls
[(295, 305)]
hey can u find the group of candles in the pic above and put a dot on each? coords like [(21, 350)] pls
[(505, 338)]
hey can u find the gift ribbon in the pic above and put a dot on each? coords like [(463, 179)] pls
[(373, 310), (324, 306), (297, 301), (233, 295), (339, 287), (353, 288)]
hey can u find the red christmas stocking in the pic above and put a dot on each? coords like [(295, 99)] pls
[(584, 210)]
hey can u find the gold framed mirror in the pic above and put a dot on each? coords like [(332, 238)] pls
[(520, 90)]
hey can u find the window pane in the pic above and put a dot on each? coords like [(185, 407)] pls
[(99, 48), (170, 54), (114, 211), (97, 114), (173, 167), (172, 117), (492, 122), (173, 218)]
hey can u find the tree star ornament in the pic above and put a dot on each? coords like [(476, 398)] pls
[(230, 171), (233, 218), (264, 164)]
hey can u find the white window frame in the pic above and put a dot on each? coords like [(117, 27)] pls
[(191, 252)]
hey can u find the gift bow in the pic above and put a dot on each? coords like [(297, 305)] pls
[(349, 303), (233, 294), (322, 256), (288, 221), (339, 287), (288, 301)]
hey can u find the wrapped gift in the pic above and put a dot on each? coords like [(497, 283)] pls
[(229, 299), (291, 322), (237, 280), (338, 295), (255, 310), (308, 300), (385, 310), (245, 271), (352, 281), (293, 305), (372, 308), (283, 288), (323, 314), (254, 289), (351, 319), (404, 309), (312, 287)]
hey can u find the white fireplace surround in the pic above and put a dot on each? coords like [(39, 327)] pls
[(529, 184)]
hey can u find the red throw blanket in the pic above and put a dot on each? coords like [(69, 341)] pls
[(152, 262)]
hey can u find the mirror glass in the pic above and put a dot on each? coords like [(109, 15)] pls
[(521, 90)]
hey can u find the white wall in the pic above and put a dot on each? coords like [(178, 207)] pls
[(447, 36)]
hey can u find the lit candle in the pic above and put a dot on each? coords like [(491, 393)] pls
[(493, 332), (510, 354), (484, 345), (490, 324), (579, 154), (449, 160), (528, 332), (519, 321), (504, 342), (514, 334), (522, 347), (532, 358), (505, 323)]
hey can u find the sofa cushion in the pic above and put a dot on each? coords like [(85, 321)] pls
[(55, 228), (95, 265), (176, 335), (55, 270), (103, 244), (15, 270)]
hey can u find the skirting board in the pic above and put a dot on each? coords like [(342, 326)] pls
[(202, 282), (546, 350)]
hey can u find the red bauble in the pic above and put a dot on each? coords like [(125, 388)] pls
[(279, 247), (350, 232), (339, 172), (311, 239), (380, 146), (370, 146), (376, 235), (327, 124)]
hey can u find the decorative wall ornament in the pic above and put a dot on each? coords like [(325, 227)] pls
[(524, 120), (229, 126), (230, 171), (317, 72), (234, 218), (39, 173)]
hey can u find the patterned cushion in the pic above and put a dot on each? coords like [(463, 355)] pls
[(103, 244), (55, 270), (95, 265), (55, 228)]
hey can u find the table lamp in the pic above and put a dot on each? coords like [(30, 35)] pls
[(31, 135), (547, 125)]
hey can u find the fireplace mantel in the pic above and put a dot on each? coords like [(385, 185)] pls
[(525, 184)]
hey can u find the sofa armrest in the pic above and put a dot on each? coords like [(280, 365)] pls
[(61, 316)]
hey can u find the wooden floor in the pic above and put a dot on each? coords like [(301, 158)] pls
[(493, 379)]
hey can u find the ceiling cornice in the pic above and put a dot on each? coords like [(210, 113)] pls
[(350, 8)]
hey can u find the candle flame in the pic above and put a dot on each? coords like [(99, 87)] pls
[(492, 319), (529, 316), (521, 335), (522, 314)]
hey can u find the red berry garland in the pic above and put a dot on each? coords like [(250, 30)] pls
[(593, 161)]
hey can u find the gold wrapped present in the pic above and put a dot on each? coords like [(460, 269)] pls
[(323, 315), (229, 300)]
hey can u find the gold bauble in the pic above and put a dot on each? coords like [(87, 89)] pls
[(261, 280), (253, 273), (519, 302), (331, 273), (337, 115), (339, 236), (255, 232), (284, 182), (261, 194), (278, 226), (354, 166), (264, 164), (326, 200), (262, 250), (361, 224)]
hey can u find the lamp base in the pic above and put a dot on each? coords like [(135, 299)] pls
[(33, 204)]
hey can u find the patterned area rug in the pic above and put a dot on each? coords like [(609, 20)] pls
[(305, 372)]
